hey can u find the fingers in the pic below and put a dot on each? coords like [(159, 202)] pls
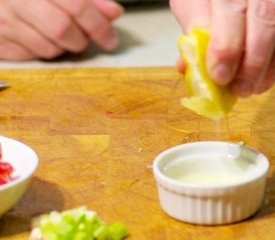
[(21, 42), (228, 18), (31, 40), (260, 39), (191, 13), (53, 23), (93, 21), (180, 65), (47, 28), (242, 40), (13, 51), (270, 76), (111, 9)]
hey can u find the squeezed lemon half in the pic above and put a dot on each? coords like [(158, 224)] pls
[(207, 98)]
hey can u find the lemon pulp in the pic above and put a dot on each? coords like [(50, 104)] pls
[(207, 98)]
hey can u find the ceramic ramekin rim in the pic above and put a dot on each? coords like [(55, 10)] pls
[(162, 179)]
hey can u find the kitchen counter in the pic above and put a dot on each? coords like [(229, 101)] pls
[(148, 35)]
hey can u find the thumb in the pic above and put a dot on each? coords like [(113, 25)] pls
[(191, 13)]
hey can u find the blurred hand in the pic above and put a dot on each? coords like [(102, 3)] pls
[(241, 50), (32, 29)]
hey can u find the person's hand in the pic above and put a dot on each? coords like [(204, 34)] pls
[(32, 29), (241, 50)]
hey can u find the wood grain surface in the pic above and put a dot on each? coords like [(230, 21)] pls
[(97, 132)]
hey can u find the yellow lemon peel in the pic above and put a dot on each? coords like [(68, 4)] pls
[(206, 97)]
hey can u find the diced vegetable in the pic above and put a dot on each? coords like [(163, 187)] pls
[(76, 224), (6, 170)]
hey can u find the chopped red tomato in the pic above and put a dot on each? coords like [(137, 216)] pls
[(1, 152), (6, 170), (2, 180)]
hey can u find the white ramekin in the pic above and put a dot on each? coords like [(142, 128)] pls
[(212, 204)]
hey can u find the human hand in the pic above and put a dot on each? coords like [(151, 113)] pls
[(47, 28), (241, 50)]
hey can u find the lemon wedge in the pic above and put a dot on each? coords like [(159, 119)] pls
[(207, 98)]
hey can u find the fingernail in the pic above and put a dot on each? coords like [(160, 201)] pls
[(116, 8), (222, 73), (111, 41)]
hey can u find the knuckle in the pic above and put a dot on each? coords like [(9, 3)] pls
[(20, 54), (264, 10), (238, 5), (257, 63), (100, 31), (253, 69), (79, 47), (52, 52), (41, 47), (62, 28), (227, 53), (23, 56), (78, 8), (11, 51)]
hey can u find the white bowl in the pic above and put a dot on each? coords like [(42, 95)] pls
[(211, 182), (25, 161)]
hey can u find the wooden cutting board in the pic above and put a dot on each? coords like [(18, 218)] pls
[(97, 132)]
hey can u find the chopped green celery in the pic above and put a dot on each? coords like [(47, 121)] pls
[(118, 230), (76, 224)]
